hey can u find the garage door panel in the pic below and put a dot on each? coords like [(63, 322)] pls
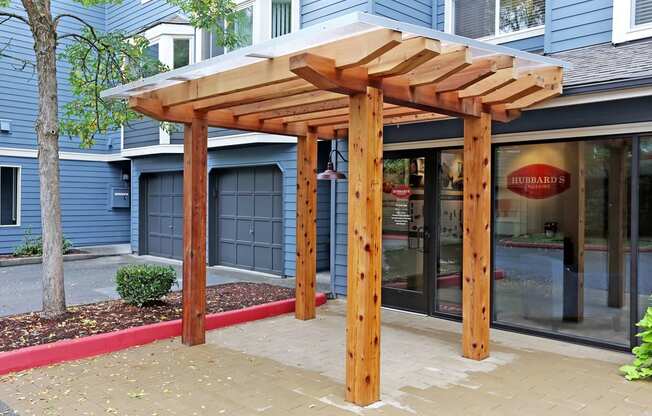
[(249, 218), (243, 230), (164, 214), (263, 258), (227, 253), (244, 255), (227, 228), (262, 205), (245, 206), (246, 180)]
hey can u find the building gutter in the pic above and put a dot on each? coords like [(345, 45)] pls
[(607, 86)]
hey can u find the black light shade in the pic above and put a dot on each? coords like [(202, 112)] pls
[(330, 174)]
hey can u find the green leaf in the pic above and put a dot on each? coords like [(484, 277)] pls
[(216, 16), (100, 61), (5, 3)]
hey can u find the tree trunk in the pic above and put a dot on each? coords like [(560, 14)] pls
[(47, 134)]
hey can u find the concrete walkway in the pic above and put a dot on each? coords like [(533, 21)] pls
[(285, 367), (93, 280)]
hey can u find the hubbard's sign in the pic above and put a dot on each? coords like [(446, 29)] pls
[(538, 181)]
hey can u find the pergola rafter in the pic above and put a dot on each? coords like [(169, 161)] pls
[(348, 78)]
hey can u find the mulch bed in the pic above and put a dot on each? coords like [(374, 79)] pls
[(25, 330), (11, 256)]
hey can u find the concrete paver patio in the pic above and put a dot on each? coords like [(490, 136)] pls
[(282, 366)]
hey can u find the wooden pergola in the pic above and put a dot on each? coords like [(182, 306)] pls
[(347, 79)]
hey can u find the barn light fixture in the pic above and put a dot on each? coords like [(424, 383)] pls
[(330, 174)]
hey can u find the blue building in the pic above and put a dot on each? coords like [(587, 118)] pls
[(573, 172)]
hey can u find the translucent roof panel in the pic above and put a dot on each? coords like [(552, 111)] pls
[(320, 34)]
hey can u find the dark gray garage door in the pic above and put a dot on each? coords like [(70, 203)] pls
[(164, 215), (249, 218)]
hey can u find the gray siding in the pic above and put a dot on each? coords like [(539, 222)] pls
[(341, 222), (19, 101), (575, 23), (316, 11), (281, 155), (132, 15), (418, 12), (141, 133), (85, 189)]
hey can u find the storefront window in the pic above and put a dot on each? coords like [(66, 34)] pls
[(645, 226), (561, 238)]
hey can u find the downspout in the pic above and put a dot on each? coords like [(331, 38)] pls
[(333, 231)]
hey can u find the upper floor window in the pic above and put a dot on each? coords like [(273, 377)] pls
[(181, 52), (256, 21), (633, 20), (495, 18), (9, 195)]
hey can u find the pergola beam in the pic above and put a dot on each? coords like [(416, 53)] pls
[(352, 51)]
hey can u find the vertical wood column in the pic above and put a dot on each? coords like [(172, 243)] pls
[(195, 147), (364, 247), (476, 249), (306, 226)]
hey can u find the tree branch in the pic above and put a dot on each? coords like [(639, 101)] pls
[(13, 16)]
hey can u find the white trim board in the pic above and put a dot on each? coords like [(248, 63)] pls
[(63, 155), (614, 129)]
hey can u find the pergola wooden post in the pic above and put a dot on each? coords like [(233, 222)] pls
[(194, 230), (364, 247), (306, 257), (350, 80), (476, 246)]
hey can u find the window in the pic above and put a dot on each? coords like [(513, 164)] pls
[(256, 21), (496, 18), (642, 12), (281, 17), (9, 195), (181, 51), (632, 20), (243, 26)]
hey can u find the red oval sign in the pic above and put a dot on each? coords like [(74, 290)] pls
[(538, 181), (401, 191)]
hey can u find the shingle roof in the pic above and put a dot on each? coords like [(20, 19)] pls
[(605, 62)]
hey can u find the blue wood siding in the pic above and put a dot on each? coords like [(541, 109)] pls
[(440, 9), (573, 24), (132, 15), (85, 190), (19, 102), (316, 11), (281, 155), (418, 12), (142, 133)]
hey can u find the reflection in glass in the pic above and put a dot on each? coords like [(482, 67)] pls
[(516, 15), (403, 225), (561, 246), (448, 293), (243, 26), (181, 48), (645, 226)]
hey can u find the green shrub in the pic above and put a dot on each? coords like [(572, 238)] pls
[(641, 368), (33, 245), (139, 284)]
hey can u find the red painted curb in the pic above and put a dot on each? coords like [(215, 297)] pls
[(75, 349)]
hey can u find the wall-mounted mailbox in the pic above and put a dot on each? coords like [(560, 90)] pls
[(120, 197)]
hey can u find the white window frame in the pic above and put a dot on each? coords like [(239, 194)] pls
[(624, 29), (262, 21), (497, 37), (18, 195), (164, 35)]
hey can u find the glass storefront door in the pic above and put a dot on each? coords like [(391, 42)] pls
[(561, 238), (406, 194), (449, 195)]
